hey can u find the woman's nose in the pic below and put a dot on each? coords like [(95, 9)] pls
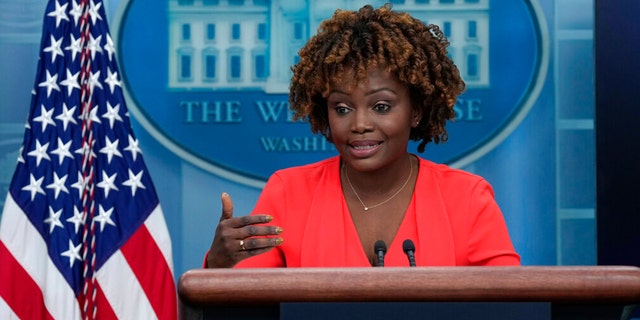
[(361, 121)]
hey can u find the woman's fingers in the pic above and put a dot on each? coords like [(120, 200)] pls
[(227, 207), (258, 245), (237, 238), (252, 231), (239, 222)]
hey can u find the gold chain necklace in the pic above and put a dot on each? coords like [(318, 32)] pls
[(346, 174)]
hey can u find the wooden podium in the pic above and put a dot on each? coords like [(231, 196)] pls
[(584, 292)]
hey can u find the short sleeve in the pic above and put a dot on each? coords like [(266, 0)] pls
[(489, 241)]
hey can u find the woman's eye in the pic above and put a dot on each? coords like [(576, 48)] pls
[(381, 107), (341, 110)]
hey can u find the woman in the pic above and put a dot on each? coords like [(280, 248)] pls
[(370, 81)]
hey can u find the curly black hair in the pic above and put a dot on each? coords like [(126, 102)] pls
[(363, 40)]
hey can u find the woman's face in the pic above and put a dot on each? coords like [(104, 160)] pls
[(370, 124)]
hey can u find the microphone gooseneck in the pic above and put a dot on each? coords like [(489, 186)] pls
[(380, 248), (409, 250)]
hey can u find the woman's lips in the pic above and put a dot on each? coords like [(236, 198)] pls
[(363, 149)]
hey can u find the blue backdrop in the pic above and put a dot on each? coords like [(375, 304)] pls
[(534, 144)]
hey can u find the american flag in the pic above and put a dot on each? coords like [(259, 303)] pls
[(82, 234)]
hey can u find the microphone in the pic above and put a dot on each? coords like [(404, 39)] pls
[(409, 249), (380, 249)]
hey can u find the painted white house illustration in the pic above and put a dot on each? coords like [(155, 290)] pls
[(251, 44)]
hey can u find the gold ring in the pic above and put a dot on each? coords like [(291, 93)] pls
[(242, 248)]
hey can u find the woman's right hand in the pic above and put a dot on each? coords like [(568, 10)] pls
[(238, 238)]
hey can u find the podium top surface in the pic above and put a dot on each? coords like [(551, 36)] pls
[(566, 284)]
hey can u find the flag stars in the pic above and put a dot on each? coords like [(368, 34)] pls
[(111, 149), (34, 186), (59, 13), (73, 253), (20, 158), (78, 219), (75, 46), (133, 147), (71, 82), (62, 151), (76, 12), (107, 183), (112, 80), (66, 116), (94, 81), (93, 115), (94, 45), (94, 11), (85, 150), (58, 185), (40, 152), (54, 219), (104, 217), (112, 114), (81, 184), (50, 83), (134, 182), (54, 48), (45, 117), (109, 47)]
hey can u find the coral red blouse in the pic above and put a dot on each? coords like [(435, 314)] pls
[(452, 219)]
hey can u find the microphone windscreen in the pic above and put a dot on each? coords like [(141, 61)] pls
[(407, 246), (379, 246)]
